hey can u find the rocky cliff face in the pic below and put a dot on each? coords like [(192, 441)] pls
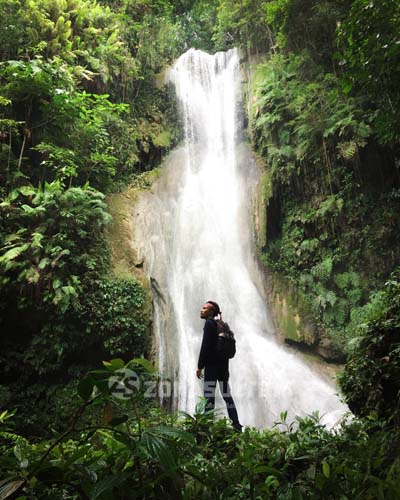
[(126, 260), (291, 314)]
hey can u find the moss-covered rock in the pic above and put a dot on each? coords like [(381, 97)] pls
[(290, 312), (126, 263)]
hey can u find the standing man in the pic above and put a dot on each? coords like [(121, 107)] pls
[(215, 369)]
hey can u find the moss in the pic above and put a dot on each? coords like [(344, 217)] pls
[(263, 194), (124, 259), (291, 325), (258, 74), (290, 312), (163, 140), (125, 263)]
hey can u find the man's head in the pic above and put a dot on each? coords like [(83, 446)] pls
[(210, 310)]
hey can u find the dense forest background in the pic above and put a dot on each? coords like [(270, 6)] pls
[(84, 113)]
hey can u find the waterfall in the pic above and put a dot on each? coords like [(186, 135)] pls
[(197, 246)]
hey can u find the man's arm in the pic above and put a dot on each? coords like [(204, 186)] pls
[(209, 337)]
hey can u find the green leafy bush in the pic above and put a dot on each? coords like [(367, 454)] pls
[(115, 312), (330, 228), (241, 23), (42, 256), (371, 380), (370, 52), (81, 113), (139, 451)]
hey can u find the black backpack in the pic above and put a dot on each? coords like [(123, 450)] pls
[(226, 343)]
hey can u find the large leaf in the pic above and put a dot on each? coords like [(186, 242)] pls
[(106, 484), (85, 388), (159, 450), (145, 363), (7, 489), (326, 470), (114, 364), (200, 406), (126, 440), (13, 253), (170, 432), (27, 190)]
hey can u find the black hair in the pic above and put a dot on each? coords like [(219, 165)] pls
[(216, 308)]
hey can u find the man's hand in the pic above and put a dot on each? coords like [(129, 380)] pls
[(199, 373)]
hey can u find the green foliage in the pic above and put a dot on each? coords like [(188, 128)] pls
[(139, 451), (197, 22), (80, 114), (332, 261), (290, 25), (115, 313), (74, 139), (370, 381), (276, 16), (241, 23), (40, 255), (79, 60), (83, 34), (47, 348), (370, 52), (300, 120), (332, 205), (307, 25)]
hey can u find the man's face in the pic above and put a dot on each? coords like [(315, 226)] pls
[(207, 311)]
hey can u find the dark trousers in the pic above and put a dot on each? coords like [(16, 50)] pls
[(220, 374)]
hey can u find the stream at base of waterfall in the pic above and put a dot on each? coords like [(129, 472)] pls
[(193, 231)]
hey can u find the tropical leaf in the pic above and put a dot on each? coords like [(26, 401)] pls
[(159, 450), (105, 484), (114, 364), (27, 190), (85, 388), (170, 432), (13, 253), (9, 488)]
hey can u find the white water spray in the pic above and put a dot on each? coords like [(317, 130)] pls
[(198, 248)]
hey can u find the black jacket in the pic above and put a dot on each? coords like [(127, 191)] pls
[(208, 352)]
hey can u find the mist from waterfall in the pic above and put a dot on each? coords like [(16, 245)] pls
[(199, 247)]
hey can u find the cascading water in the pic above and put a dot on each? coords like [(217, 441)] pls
[(198, 248)]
